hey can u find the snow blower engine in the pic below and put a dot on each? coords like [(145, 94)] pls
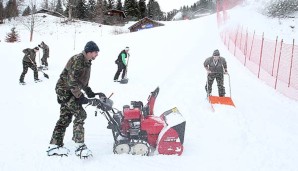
[(137, 131)]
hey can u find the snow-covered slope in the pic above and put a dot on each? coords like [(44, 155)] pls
[(259, 134)]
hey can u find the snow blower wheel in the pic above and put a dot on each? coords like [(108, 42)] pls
[(121, 149)]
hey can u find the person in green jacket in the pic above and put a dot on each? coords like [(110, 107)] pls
[(122, 64)]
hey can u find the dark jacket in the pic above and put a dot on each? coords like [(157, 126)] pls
[(75, 75), (45, 50), (216, 67), (30, 55), (122, 58)]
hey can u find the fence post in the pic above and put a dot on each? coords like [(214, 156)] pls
[(229, 41), (260, 62), (291, 63), (225, 38), (236, 41), (245, 48), (274, 55), (241, 37), (253, 38), (278, 63)]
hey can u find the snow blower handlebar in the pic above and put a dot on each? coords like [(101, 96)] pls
[(103, 103)]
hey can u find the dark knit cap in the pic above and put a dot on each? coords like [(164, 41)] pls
[(216, 53), (91, 47)]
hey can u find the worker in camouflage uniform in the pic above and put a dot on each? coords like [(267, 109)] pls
[(216, 66), (29, 62), (73, 79), (45, 56)]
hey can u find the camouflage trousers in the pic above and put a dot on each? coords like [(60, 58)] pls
[(27, 65), (67, 111), (220, 83), (44, 61)]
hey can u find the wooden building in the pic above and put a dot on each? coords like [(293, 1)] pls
[(54, 13), (114, 17), (145, 23)]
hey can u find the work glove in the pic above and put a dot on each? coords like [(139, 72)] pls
[(94, 102), (89, 92), (82, 99), (209, 72), (101, 95), (105, 104)]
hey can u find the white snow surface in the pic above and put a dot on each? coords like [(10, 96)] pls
[(260, 133)]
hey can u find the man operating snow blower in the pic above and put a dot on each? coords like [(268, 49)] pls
[(74, 78)]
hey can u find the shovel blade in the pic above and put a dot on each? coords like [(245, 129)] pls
[(221, 100), (124, 81)]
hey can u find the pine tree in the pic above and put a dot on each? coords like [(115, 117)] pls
[(27, 11), (91, 10), (142, 8), (150, 9), (58, 7), (1, 12), (13, 36), (131, 9), (119, 5), (281, 8), (81, 10), (99, 9), (11, 9), (111, 4), (105, 5)]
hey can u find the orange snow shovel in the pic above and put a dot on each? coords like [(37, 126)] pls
[(222, 100)]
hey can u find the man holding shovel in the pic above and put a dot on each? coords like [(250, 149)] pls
[(122, 62), (29, 62), (216, 67)]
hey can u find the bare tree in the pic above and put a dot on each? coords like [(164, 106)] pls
[(31, 22), (45, 4), (70, 4)]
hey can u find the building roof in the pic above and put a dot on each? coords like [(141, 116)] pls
[(140, 22), (54, 13), (111, 11)]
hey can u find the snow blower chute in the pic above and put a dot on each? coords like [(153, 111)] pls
[(136, 130)]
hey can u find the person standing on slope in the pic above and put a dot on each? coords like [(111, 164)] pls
[(216, 67), (74, 78), (45, 56), (29, 62), (122, 64)]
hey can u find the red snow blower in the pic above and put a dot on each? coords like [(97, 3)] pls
[(136, 130)]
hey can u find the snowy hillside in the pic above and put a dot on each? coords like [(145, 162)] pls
[(259, 134)]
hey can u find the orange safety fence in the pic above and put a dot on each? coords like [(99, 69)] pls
[(273, 61)]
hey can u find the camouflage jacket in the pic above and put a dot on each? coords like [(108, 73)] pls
[(216, 66), (45, 50), (30, 55), (75, 75)]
